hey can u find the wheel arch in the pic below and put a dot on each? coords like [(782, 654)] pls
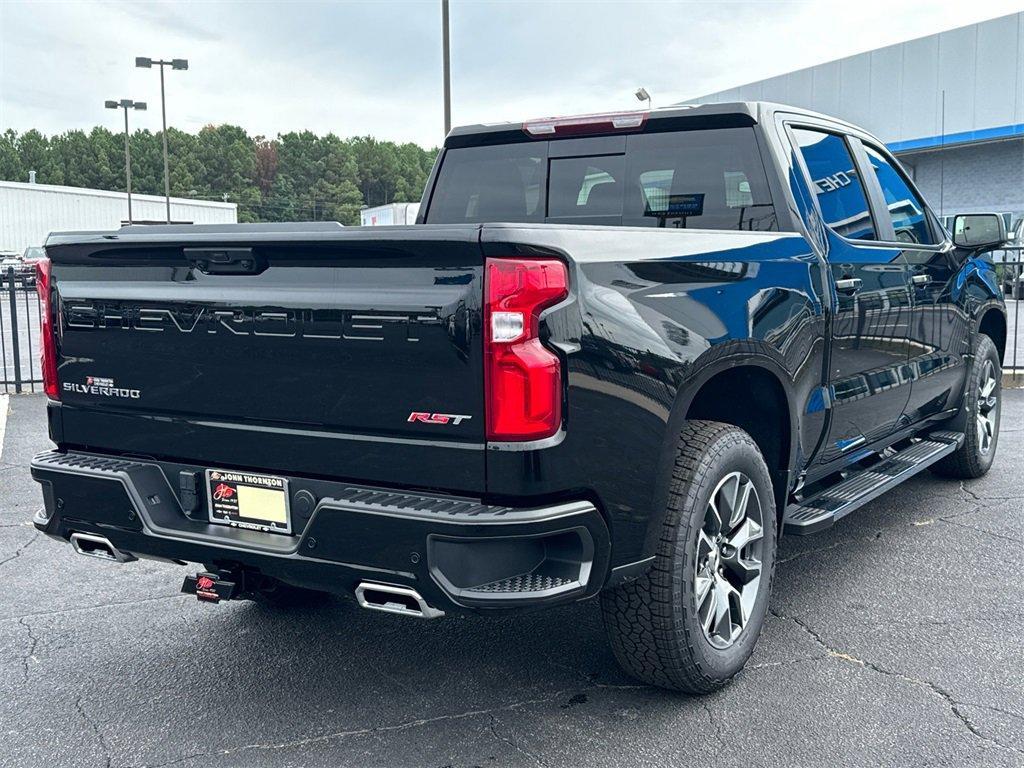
[(709, 393), (992, 323)]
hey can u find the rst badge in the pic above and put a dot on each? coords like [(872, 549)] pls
[(425, 417)]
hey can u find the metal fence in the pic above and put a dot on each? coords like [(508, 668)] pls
[(21, 315), (1010, 280)]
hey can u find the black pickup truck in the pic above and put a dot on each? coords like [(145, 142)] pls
[(619, 355)]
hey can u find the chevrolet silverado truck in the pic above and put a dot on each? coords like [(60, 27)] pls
[(618, 356)]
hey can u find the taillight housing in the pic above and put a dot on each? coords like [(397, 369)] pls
[(522, 377), (48, 342)]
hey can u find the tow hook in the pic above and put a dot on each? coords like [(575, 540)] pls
[(211, 587)]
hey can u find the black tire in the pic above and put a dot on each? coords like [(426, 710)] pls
[(652, 622), (973, 458)]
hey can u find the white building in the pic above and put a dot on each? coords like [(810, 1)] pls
[(29, 212), (392, 214), (950, 106)]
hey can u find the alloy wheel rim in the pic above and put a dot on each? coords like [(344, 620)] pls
[(988, 408), (728, 562)]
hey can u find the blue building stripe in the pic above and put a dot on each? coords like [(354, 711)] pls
[(982, 134)]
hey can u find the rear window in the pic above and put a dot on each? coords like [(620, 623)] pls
[(703, 179)]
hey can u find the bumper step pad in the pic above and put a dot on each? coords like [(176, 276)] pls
[(823, 509), (525, 584)]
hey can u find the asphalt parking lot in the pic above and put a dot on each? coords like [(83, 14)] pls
[(896, 639)]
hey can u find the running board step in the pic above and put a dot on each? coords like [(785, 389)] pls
[(821, 511)]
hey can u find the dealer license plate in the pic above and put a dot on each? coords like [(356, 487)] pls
[(247, 500)]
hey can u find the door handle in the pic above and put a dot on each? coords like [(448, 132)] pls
[(921, 279), (849, 284)]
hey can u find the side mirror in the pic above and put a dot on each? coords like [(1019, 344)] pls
[(979, 231)]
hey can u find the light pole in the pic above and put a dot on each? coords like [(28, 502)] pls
[(642, 95), (127, 104), (146, 63), (447, 66)]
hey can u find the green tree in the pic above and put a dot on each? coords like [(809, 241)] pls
[(316, 179), (186, 170), (11, 168), (266, 164), (107, 150), (147, 163), (227, 156), (34, 149), (296, 176), (378, 170)]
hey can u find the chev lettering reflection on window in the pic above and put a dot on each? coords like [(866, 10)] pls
[(834, 182), (283, 323)]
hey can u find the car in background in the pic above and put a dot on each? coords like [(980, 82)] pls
[(10, 260), (32, 255)]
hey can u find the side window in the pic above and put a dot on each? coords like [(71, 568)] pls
[(905, 208), (840, 191)]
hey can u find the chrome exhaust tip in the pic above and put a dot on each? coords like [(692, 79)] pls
[(391, 598), (92, 545)]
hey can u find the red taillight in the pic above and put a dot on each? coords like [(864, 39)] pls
[(48, 343), (581, 125), (523, 378)]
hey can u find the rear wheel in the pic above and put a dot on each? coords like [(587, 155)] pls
[(979, 417), (691, 622)]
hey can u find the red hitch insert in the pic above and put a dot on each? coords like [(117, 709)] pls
[(209, 587)]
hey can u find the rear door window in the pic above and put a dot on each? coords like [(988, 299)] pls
[(906, 210), (705, 179), (844, 206)]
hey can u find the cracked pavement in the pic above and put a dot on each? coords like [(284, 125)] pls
[(894, 639)]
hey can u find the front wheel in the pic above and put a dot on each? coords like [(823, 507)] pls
[(690, 623), (979, 417)]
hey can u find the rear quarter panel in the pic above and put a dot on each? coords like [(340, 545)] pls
[(651, 315)]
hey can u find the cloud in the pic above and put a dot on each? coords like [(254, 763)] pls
[(375, 68), (176, 18)]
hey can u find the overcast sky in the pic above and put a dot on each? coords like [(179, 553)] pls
[(375, 68)]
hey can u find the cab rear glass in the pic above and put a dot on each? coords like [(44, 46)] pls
[(700, 179)]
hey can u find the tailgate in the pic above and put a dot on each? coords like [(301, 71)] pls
[(346, 353)]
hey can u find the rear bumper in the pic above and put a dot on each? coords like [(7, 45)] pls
[(460, 554)]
